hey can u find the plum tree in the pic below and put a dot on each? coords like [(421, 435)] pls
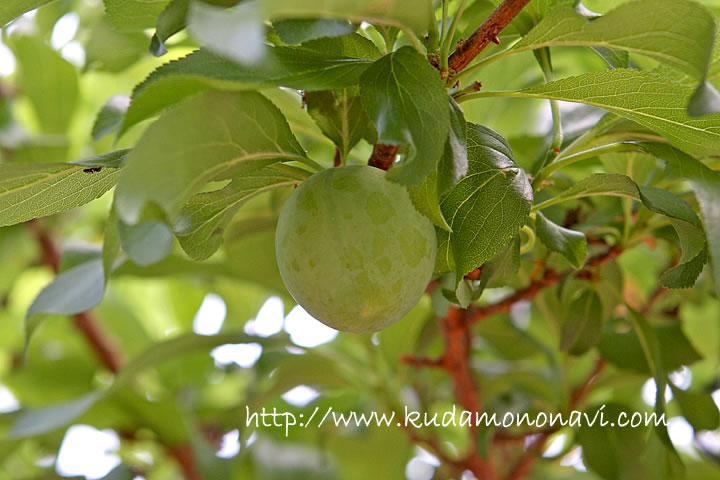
[(352, 250)]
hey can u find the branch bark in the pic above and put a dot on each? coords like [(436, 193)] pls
[(383, 156), (468, 49)]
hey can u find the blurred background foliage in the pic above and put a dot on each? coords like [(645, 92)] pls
[(63, 63)]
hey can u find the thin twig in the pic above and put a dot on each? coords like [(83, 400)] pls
[(486, 33)]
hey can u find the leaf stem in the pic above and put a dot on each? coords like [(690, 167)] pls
[(590, 153), (543, 58)]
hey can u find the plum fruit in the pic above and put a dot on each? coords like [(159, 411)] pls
[(352, 249)]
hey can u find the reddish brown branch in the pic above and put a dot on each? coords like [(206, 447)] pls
[(457, 362), (383, 156), (549, 278), (468, 49), (185, 458)]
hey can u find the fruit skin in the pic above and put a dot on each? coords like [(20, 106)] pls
[(352, 249)]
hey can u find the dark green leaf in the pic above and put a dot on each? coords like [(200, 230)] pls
[(571, 244), (297, 31), (454, 162), (294, 67), (610, 451), (487, 208), (240, 131), (624, 349), (699, 409), (110, 116), (170, 21), (582, 324), (407, 103), (650, 345), (706, 186)]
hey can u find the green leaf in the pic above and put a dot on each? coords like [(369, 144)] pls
[(293, 67), (689, 230), (74, 291), (35, 422), (582, 324), (35, 190), (295, 31), (170, 22), (415, 14), (649, 27), (110, 116), (452, 167), (11, 9), (650, 345), (49, 82), (624, 349), (647, 98), (699, 409), (202, 221), (236, 33), (571, 244), (426, 199), (686, 273), (454, 161), (406, 101), (487, 208), (147, 242), (705, 184), (501, 269), (610, 451), (339, 114), (134, 15), (112, 51), (239, 131)]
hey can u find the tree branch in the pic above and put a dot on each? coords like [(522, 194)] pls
[(383, 156), (549, 278), (468, 49)]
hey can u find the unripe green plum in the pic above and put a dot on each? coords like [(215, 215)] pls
[(352, 249)]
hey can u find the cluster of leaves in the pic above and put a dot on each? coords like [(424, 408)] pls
[(246, 100)]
